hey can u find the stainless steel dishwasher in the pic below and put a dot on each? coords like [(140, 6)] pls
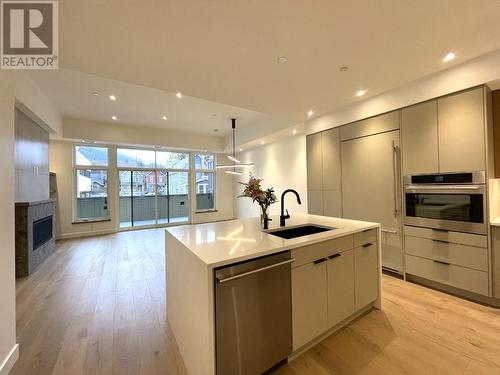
[(253, 314)]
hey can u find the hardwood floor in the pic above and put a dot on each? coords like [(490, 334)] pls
[(97, 306)]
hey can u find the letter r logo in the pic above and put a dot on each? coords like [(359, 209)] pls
[(27, 28)]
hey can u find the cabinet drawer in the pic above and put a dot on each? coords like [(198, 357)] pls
[(457, 254), (367, 236), (448, 236), (459, 277), (308, 254)]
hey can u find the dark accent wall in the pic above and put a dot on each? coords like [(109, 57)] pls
[(32, 159)]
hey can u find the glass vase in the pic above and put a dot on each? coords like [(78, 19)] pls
[(264, 217)]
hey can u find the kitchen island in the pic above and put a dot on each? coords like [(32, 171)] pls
[(335, 277)]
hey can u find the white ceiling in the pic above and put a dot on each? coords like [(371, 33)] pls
[(71, 93), (226, 51)]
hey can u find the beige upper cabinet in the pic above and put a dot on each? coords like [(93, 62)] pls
[(419, 132), (314, 162), (330, 144), (373, 125), (461, 132)]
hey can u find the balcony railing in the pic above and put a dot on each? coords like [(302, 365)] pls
[(144, 207)]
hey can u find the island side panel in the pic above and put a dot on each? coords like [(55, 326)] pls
[(190, 309)]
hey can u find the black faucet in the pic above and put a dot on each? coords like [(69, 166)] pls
[(283, 217)]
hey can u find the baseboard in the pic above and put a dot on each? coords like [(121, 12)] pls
[(205, 221), (68, 236), (9, 361)]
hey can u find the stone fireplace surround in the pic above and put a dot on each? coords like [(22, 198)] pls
[(27, 213)]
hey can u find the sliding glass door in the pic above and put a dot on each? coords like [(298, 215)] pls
[(153, 197), (154, 187)]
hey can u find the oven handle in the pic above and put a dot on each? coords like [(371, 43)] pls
[(412, 188)]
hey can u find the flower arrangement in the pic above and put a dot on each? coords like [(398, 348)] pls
[(264, 198)]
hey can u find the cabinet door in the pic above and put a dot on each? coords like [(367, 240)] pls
[(461, 132), (315, 202), (314, 162), (309, 302), (419, 134), (340, 287), (330, 146), (373, 125), (332, 203), (369, 179), (496, 261), (366, 273)]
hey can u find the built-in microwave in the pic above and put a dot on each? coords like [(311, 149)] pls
[(447, 201)]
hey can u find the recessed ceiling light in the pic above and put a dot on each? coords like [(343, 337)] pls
[(262, 142), (241, 149), (282, 59), (344, 68), (179, 95), (113, 118), (164, 118), (449, 56), (95, 93), (310, 113), (294, 131), (360, 93), (112, 97)]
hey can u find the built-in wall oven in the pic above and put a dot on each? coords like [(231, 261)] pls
[(447, 201)]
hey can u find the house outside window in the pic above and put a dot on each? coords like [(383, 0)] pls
[(90, 168), (205, 181)]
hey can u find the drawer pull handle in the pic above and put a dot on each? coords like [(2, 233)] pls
[(368, 244), (441, 241), (441, 262), (318, 261), (334, 256)]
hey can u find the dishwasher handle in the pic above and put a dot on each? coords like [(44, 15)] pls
[(279, 264)]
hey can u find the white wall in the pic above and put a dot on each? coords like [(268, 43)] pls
[(8, 348), (282, 165), (61, 163)]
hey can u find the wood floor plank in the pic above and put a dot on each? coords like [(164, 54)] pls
[(97, 306)]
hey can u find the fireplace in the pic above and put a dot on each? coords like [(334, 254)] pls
[(42, 231), (35, 228)]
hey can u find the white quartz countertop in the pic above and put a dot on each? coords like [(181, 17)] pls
[(226, 242)]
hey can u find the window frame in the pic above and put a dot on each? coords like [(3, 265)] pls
[(213, 171), (79, 167)]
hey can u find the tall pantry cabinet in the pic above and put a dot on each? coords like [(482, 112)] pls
[(324, 174)]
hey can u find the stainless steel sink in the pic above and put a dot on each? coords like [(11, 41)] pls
[(303, 230)]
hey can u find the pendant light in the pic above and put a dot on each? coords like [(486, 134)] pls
[(231, 168)]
